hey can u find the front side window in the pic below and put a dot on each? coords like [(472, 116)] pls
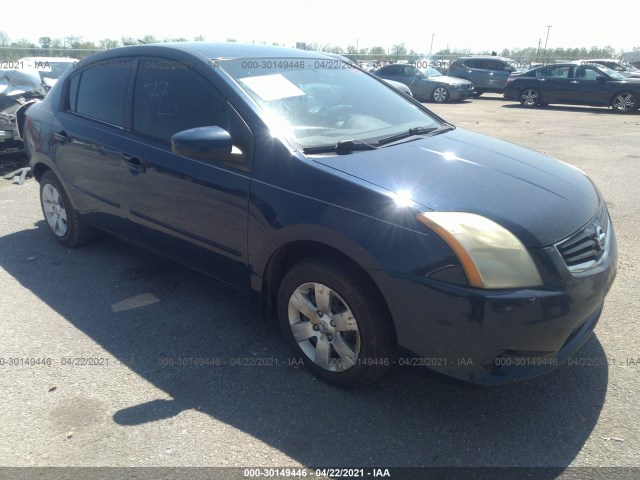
[(586, 73), (102, 91), (169, 98), (318, 102)]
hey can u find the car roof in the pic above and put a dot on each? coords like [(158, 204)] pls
[(595, 60), (48, 59), (486, 57), (206, 50)]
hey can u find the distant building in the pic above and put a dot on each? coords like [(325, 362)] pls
[(632, 57)]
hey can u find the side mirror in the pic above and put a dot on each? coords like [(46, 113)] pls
[(601, 79), (205, 143)]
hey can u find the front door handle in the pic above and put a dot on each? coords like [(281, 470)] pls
[(574, 81), (134, 164)]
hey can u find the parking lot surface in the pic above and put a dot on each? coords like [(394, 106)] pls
[(112, 356)]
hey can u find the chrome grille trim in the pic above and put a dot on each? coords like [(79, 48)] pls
[(582, 251)]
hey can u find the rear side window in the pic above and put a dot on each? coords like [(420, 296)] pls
[(554, 72), (102, 91), (169, 98)]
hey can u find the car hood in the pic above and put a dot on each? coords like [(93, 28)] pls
[(540, 199), (449, 80)]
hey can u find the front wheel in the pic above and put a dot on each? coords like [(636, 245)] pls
[(624, 102), (530, 97), (440, 95), (333, 317)]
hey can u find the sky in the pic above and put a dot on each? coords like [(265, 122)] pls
[(459, 24)]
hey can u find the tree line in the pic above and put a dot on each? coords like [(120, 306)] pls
[(74, 46)]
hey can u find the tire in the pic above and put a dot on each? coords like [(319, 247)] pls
[(530, 98), (624, 102), (345, 336), (477, 93), (63, 221), (440, 95)]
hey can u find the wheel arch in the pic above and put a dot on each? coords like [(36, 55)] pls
[(287, 255), (623, 90), (39, 169)]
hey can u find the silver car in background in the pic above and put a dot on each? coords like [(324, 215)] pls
[(428, 83)]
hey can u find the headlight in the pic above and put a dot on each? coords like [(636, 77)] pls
[(492, 257)]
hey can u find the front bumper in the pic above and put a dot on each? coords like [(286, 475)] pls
[(461, 94), (493, 337)]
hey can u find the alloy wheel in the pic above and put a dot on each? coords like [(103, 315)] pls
[(324, 327), (54, 210), (530, 98), (440, 94), (624, 102)]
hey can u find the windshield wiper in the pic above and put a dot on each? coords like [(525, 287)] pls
[(415, 131), (341, 148)]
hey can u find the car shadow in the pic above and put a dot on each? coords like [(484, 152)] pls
[(148, 312), (12, 161)]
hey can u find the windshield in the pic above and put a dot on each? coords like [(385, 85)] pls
[(317, 102), (613, 74), (431, 72)]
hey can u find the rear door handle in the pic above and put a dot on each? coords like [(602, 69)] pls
[(61, 137), (574, 81), (133, 164)]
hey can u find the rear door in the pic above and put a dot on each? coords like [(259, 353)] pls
[(475, 71), (553, 83), (497, 73), (88, 136)]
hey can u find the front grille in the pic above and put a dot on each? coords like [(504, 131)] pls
[(588, 245)]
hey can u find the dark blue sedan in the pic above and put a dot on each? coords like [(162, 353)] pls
[(375, 232), (575, 84)]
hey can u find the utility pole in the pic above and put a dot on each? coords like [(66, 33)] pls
[(538, 52), (431, 47), (545, 42)]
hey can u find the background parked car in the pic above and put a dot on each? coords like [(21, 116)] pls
[(428, 83), (49, 68), (28, 81), (628, 71), (570, 83), (488, 73)]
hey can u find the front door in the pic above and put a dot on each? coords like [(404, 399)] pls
[(194, 211)]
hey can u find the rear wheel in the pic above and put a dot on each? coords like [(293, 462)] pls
[(625, 102), (530, 97), (333, 317), (64, 222), (440, 95)]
